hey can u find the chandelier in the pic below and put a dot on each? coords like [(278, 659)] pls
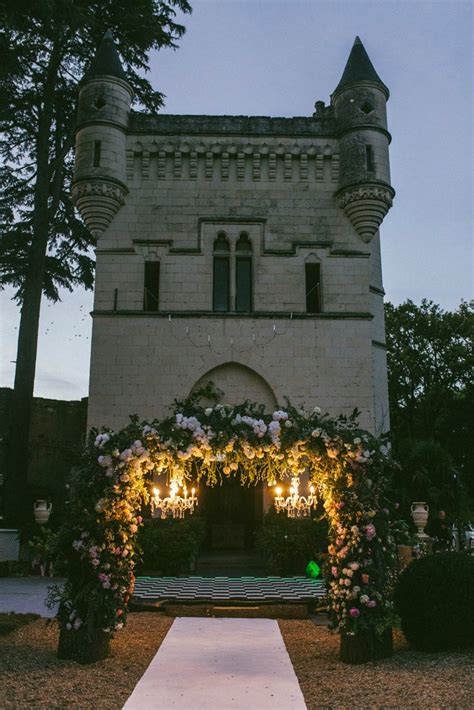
[(295, 505), (174, 505)]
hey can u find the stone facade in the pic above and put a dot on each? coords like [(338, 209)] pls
[(58, 433), (161, 188)]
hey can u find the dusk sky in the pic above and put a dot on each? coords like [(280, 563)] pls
[(277, 58)]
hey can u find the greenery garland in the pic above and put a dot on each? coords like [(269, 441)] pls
[(349, 467)]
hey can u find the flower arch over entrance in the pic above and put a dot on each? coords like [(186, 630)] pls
[(348, 466)]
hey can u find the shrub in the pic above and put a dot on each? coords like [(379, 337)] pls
[(286, 545), (170, 546), (435, 599)]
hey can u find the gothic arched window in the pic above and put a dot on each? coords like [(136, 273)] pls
[(221, 274), (243, 274)]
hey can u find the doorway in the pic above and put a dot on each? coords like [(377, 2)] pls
[(233, 513)]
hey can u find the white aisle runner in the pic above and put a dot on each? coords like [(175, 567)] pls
[(219, 664)]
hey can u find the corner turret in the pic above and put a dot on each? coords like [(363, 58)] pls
[(105, 97), (359, 102)]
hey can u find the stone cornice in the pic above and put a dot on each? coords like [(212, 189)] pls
[(255, 315), (172, 124)]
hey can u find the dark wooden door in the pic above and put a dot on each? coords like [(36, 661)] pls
[(232, 512)]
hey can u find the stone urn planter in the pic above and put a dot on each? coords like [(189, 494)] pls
[(419, 513), (42, 511), (365, 646), (83, 646)]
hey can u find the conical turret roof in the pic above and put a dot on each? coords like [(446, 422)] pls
[(107, 60), (359, 68)]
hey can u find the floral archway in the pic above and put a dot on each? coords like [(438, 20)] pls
[(348, 466)]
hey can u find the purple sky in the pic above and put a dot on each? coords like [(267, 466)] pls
[(277, 58)]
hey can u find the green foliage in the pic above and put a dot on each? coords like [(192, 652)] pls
[(169, 546), (46, 48), (435, 599), (287, 545), (430, 365)]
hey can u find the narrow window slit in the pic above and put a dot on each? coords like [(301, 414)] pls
[(369, 157), (97, 147)]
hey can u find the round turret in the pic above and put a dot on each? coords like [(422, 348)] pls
[(359, 103), (99, 183)]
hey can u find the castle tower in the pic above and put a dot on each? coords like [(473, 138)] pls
[(99, 184), (359, 102)]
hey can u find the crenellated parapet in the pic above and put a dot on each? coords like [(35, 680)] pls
[(239, 160)]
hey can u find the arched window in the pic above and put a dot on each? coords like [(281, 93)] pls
[(243, 274), (313, 285), (221, 274)]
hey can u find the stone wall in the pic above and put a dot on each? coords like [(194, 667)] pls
[(58, 431)]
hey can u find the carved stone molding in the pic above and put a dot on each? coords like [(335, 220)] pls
[(98, 201), (366, 207)]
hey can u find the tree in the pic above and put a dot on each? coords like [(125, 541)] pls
[(46, 47), (430, 367)]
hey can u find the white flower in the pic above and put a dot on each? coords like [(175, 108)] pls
[(105, 461), (77, 624), (315, 433), (317, 410), (357, 440), (126, 455), (279, 414), (288, 424), (364, 599), (208, 411), (101, 439), (68, 627)]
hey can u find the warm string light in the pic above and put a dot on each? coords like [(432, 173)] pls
[(295, 505), (174, 505)]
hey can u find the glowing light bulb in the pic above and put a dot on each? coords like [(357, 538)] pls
[(156, 492), (278, 491)]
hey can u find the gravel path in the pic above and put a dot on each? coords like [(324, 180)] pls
[(32, 677), (408, 680)]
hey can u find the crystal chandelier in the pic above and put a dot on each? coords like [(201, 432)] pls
[(295, 505), (174, 505)]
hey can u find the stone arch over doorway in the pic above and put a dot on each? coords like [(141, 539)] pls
[(239, 382), (234, 512)]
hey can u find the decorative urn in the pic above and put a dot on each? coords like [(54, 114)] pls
[(42, 511), (419, 513)]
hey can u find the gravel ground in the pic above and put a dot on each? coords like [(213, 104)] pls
[(407, 680), (32, 677)]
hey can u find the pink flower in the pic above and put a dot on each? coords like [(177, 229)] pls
[(125, 552), (370, 531), (340, 506), (334, 571), (117, 551), (133, 528), (354, 612), (139, 519), (365, 579), (371, 603)]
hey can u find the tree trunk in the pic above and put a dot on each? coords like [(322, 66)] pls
[(18, 504)]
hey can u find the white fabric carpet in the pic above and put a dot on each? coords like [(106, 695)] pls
[(219, 664)]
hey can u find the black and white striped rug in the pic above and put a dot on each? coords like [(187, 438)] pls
[(248, 589)]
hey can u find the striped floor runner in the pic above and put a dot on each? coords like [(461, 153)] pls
[(219, 589)]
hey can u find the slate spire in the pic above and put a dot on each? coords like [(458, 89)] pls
[(107, 60), (359, 68)]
